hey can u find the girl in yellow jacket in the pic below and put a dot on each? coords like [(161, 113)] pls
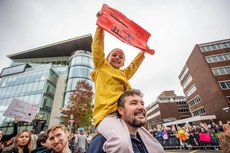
[(110, 83)]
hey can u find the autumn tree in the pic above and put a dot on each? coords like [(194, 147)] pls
[(80, 105)]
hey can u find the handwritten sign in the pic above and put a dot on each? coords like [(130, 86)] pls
[(123, 28), (24, 110)]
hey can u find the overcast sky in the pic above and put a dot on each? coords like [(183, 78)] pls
[(176, 26)]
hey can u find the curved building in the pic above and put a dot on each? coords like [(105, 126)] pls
[(45, 77)]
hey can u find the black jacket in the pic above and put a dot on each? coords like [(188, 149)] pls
[(6, 137)]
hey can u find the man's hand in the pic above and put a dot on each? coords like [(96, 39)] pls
[(17, 118)]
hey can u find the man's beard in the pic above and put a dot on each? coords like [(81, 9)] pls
[(134, 121)]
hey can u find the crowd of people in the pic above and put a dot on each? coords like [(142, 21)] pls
[(57, 139), (202, 136)]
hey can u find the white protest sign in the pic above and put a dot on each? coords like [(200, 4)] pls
[(24, 110)]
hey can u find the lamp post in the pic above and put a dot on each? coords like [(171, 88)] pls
[(71, 122)]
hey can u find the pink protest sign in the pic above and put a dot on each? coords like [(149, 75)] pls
[(124, 29), (205, 137)]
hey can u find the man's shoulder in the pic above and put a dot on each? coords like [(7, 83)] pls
[(96, 144)]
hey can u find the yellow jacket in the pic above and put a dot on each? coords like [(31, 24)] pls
[(110, 83)]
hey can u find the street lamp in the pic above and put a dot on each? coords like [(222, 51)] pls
[(71, 122)]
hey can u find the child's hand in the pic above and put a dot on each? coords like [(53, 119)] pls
[(99, 13)]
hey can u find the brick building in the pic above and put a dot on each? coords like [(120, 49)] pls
[(205, 79), (166, 108)]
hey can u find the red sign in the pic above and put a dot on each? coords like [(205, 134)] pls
[(205, 137), (124, 29)]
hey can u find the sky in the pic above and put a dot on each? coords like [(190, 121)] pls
[(176, 26)]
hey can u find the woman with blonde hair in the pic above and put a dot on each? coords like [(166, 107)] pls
[(22, 143)]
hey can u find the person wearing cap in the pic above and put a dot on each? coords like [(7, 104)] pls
[(81, 139)]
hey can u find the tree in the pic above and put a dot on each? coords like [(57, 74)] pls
[(80, 105)]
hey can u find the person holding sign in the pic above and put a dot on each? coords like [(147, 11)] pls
[(110, 83), (6, 137)]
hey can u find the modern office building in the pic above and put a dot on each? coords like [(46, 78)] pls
[(166, 108), (205, 79), (45, 77)]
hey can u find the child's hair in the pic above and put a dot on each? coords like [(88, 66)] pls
[(107, 57)]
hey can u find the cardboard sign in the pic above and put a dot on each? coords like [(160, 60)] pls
[(205, 137), (123, 28), (24, 110)]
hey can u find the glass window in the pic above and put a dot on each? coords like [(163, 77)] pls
[(220, 57), (24, 88), (76, 61), (90, 62), (26, 99), (225, 85), (35, 87), (14, 90), (39, 75), (227, 69), (31, 99), (225, 45), (74, 71), (226, 57), (215, 71), (208, 59), (9, 91), (84, 60), (41, 86), (29, 87), (214, 47), (4, 91), (28, 77), (219, 46), (17, 81), (19, 88), (208, 48), (33, 77), (37, 99), (214, 58), (221, 71)]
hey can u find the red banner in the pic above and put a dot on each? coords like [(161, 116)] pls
[(124, 29)]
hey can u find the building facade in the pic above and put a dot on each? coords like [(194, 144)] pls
[(166, 108), (45, 77), (205, 79)]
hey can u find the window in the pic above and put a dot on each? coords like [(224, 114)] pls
[(183, 110), (181, 103), (194, 101), (225, 85), (221, 70), (187, 81), (183, 74), (216, 46), (228, 98), (199, 111), (191, 91), (217, 58)]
